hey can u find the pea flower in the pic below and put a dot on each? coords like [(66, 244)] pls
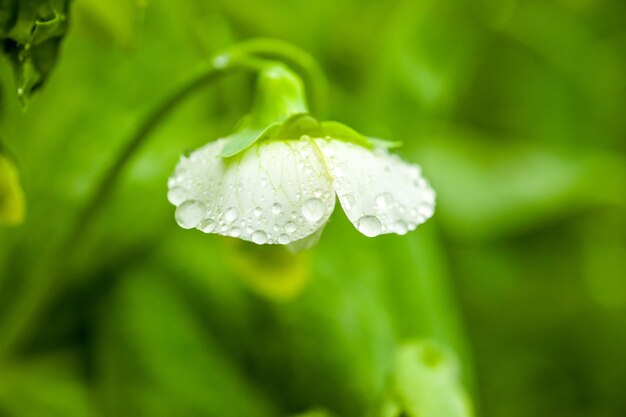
[(277, 183)]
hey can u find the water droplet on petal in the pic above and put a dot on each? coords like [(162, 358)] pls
[(290, 227), (317, 193), (347, 201), (190, 213), (231, 214), (370, 226), (426, 210), (258, 211), (235, 232), (283, 239), (400, 227), (176, 195), (313, 210), (428, 196), (340, 170), (259, 237), (207, 225), (276, 208), (414, 172), (384, 201)]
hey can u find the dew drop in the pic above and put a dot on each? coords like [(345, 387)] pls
[(340, 170), (290, 227), (384, 201), (313, 210), (176, 195), (317, 193), (235, 232), (221, 61), (231, 214), (276, 208), (258, 211), (415, 172), (259, 237), (426, 210), (428, 196), (347, 201), (400, 227), (189, 214), (207, 225), (369, 225), (283, 239)]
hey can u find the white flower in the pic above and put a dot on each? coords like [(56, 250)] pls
[(283, 191)]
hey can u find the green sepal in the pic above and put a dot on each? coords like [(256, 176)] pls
[(336, 130), (382, 143), (296, 126), (246, 137), (279, 106), (345, 133)]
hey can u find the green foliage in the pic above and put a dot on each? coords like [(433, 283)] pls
[(514, 109), (30, 33), (11, 195)]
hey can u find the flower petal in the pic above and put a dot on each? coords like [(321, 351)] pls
[(275, 192), (378, 191)]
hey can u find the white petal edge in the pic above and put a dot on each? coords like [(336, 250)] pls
[(275, 192), (378, 191)]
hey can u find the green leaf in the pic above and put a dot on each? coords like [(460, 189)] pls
[(8, 15), (313, 413), (31, 32), (155, 345), (47, 386), (12, 206), (426, 382)]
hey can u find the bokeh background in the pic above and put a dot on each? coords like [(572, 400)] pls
[(513, 297)]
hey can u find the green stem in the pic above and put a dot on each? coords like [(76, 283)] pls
[(301, 62), (251, 56)]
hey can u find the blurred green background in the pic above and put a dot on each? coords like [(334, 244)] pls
[(513, 296)]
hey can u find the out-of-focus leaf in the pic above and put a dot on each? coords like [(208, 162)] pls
[(155, 347), (314, 413), (12, 206), (8, 14), (43, 387), (271, 271), (33, 39), (115, 21), (426, 382)]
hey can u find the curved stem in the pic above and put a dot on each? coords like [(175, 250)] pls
[(241, 57), (302, 62), (150, 123)]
